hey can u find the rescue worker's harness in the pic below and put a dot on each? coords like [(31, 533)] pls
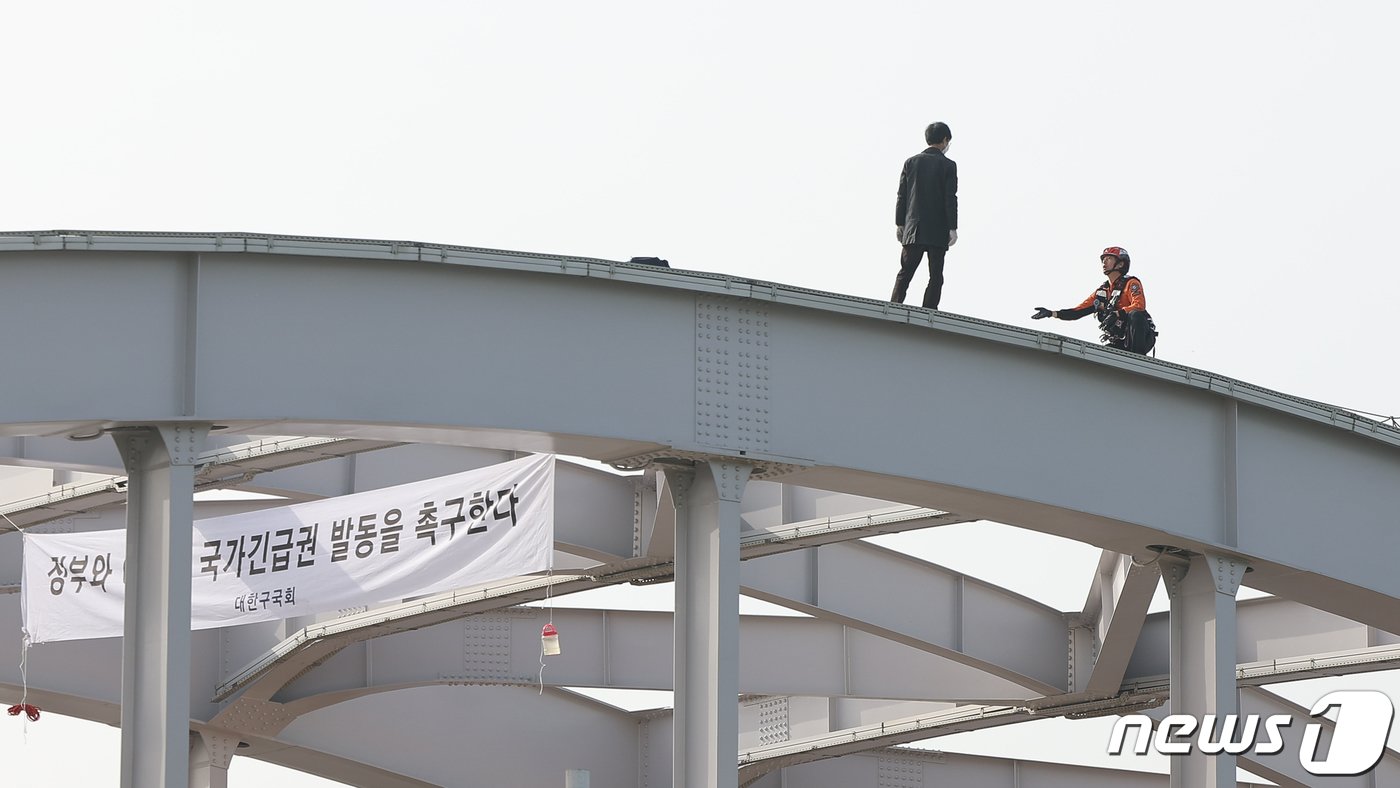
[(1113, 322)]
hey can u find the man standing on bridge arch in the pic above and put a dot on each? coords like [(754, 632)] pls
[(926, 214)]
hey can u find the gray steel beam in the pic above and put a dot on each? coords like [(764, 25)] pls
[(705, 741), (223, 468), (788, 535), (755, 762), (1292, 462), (83, 452), (654, 517), (1115, 612), (631, 650), (901, 766), (318, 642), (889, 728), (828, 659), (156, 645), (1203, 658), (459, 735), (85, 456), (1273, 621), (618, 649), (399, 663), (1269, 628), (1232, 470), (922, 605), (314, 644)]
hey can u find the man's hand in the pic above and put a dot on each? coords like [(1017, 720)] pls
[(1041, 313), (899, 233), (952, 238)]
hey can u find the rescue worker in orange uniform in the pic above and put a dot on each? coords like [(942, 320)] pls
[(1119, 304)]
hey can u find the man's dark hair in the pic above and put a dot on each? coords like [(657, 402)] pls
[(937, 132)]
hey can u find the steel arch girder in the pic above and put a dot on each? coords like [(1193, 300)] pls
[(922, 605), (1224, 467), (631, 650)]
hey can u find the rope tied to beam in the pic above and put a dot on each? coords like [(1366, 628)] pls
[(30, 711)]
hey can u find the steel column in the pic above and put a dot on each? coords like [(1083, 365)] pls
[(1203, 657), (156, 642), (210, 755), (706, 735)]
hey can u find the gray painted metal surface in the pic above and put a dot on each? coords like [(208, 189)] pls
[(1291, 464), (364, 340), (156, 651)]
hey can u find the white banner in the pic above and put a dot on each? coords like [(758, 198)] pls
[(311, 558)]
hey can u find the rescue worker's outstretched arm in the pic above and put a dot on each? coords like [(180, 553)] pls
[(1075, 313), (1086, 307)]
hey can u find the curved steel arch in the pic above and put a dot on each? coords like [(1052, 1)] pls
[(428, 343), (406, 342)]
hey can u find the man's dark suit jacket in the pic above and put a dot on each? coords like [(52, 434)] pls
[(927, 207)]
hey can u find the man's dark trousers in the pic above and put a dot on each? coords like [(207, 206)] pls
[(909, 259)]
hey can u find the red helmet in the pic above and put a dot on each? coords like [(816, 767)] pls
[(1118, 252)]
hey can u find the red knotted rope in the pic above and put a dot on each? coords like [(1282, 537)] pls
[(30, 711)]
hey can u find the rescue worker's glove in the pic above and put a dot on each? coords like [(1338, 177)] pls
[(952, 238), (899, 233), (1040, 313)]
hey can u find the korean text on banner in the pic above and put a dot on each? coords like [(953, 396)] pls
[(364, 549)]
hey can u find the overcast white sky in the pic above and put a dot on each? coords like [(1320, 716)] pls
[(1242, 151)]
